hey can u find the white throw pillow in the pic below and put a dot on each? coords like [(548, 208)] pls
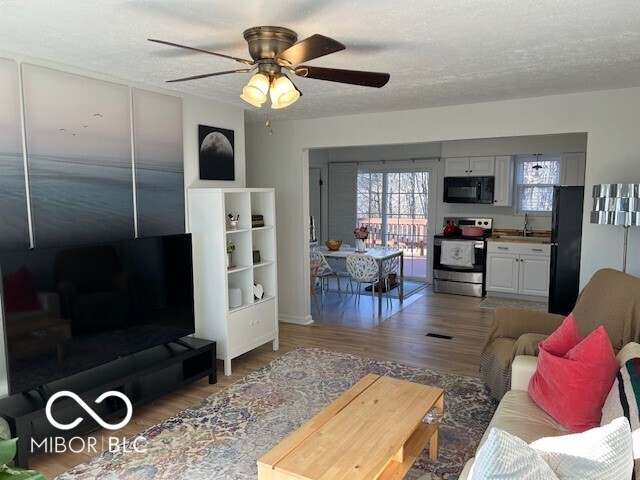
[(505, 456), (603, 453)]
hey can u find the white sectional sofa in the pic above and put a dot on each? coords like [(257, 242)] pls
[(518, 415)]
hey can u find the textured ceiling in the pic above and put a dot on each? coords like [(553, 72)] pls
[(438, 52)]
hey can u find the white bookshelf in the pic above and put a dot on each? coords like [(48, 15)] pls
[(240, 329)]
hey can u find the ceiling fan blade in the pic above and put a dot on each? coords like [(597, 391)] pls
[(353, 77), (205, 75), (313, 47), (241, 60)]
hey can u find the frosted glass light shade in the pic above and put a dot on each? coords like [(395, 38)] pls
[(251, 101), (255, 92), (283, 92)]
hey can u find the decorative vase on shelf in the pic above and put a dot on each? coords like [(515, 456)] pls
[(361, 247), (229, 257)]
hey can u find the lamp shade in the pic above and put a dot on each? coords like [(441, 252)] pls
[(255, 92), (616, 204), (283, 92), (251, 100)]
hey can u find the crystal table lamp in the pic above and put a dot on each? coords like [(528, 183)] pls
[(617, 204)]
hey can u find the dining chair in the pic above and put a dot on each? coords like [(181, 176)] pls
[(324, 270), (339, 265), (364, 269), (390, 267)]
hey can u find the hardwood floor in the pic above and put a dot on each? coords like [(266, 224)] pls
[(401, 338)]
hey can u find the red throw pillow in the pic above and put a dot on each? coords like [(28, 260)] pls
[(564, 338), (19, 292), (573, 386)]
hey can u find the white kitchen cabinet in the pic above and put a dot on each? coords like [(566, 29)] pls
[(456, 167), (518, 268), (502, 272), (503, 187), (255, 322), (534, 275), (469, 166)]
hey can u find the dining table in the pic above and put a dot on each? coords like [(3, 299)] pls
[(379, 255)]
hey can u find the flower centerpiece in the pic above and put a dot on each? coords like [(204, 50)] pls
[(361, 233)]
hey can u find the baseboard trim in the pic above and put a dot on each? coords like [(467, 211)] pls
[(308, 320)]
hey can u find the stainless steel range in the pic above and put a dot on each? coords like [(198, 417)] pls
[(459, 261)]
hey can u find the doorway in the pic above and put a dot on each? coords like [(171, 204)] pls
[(396, 203)]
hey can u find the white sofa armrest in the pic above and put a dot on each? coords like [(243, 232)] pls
[(522, 369)]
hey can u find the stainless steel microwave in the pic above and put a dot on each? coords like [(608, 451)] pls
[(468, 189)]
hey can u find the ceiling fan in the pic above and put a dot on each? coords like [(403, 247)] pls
[(274, 49)]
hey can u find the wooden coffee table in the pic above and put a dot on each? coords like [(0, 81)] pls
[(372, 431)]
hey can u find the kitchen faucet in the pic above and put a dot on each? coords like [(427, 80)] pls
[(526, 229)]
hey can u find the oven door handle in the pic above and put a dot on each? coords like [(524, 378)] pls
[(478, 190)]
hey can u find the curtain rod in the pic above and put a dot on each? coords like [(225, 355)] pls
[(385, 161)]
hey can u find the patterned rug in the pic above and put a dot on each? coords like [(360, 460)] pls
[(222, 437), (493, 302)]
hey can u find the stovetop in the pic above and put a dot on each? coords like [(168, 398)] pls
[(486, 223), (462, 237)]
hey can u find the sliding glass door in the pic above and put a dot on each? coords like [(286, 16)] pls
[(395, 203)]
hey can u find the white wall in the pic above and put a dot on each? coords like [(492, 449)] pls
[(610, 118)]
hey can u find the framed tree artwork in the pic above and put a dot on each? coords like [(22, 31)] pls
[(216, 153)]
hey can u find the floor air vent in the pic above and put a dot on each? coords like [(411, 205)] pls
[(437, 335)]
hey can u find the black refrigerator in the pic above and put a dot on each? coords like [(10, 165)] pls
[(566, 237)]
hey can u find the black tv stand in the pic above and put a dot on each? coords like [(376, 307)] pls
[(42, 392), (181, 342), (143, 377)]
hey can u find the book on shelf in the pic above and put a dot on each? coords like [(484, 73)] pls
[(257, 221)]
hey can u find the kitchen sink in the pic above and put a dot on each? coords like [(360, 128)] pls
[(520, 238)]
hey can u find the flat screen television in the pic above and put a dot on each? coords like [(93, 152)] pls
[(72, 308)]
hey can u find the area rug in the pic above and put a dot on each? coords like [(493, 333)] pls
[(494, 302), (409, 287), (222, 437)]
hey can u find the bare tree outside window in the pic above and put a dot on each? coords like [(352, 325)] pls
[(401, 199), (535, 178)]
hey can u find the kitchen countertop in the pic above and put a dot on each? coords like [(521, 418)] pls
[(516, 236)]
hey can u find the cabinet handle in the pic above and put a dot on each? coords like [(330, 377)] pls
[(503, 248), (536, 249)]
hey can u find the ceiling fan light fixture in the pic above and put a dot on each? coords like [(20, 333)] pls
[(256, 90), (283, 92)]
